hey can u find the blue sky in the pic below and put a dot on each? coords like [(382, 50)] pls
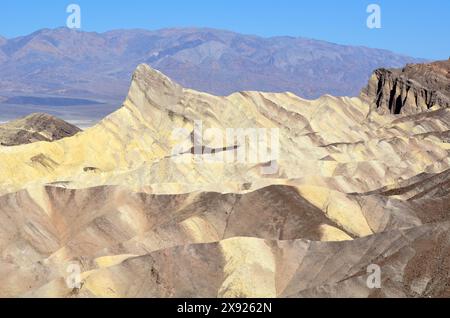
[(416, 28)]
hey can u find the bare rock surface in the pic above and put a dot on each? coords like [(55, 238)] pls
[(35, 127), (413, 89), (352, 189)]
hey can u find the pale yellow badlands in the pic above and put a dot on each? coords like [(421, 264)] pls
[(115, 198), (333, 143), (322, 141)]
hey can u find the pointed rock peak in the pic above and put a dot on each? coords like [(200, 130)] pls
[(145, 74), (151, 86)]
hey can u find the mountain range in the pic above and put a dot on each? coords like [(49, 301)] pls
[(76, 64)]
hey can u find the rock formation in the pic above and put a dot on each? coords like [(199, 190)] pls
[(413, 89), (33, 128), (351, 189)]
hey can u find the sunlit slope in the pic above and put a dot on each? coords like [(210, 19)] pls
[(352, 189), (332, 142)]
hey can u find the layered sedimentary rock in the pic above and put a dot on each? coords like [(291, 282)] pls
[(413, 89), (34, 128), (331, 142), (144, 212)]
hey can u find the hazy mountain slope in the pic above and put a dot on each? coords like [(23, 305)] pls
[(33, 128), (81, 64), (3, 56)]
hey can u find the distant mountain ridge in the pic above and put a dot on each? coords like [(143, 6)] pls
[(77, 64)]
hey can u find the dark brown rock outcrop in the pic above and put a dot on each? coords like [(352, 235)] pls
[(413, 89), (34, 128)]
